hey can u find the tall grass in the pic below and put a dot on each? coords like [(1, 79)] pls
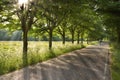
[(115, 61), (11, 53)]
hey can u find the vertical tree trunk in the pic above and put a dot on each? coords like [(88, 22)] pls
[(25, 48), (73, 38), (63, 37), (25, 42), (50, 38), (82, 38), (87, 40), (78, 38)]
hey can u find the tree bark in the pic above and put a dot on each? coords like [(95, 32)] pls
[(50, 38), (78, 38), (87, 40), (82, 38), (25, 48), (63, 37), (25, 42), (72, 37)]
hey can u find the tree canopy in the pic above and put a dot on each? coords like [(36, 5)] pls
[(67, 18)]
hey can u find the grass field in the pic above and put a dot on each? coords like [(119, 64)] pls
[(11, 53), (115, 67)]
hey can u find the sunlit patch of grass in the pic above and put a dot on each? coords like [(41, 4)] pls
[(11, 53), (94, 42), (10, 56)]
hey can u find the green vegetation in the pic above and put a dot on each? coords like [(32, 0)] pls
[(11, 53), (49, 20), (110, 10), (70, 18), (115, 62)]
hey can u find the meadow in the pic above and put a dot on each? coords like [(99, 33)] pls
[(11, 53)]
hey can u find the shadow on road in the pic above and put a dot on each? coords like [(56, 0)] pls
[(26, 73)]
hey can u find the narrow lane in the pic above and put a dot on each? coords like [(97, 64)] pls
[(87, 64)]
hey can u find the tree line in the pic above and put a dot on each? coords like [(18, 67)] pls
[(80, 19)]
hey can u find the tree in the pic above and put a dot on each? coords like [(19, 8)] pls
[(62, 29), (110, 10), (26, 13), (53, 13)]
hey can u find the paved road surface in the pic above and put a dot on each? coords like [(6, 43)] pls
[(90, 63)]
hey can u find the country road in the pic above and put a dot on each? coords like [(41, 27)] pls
[(90, 63)]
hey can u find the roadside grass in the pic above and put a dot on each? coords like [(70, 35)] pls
[(115, 67), (94, 42), (11, 53)]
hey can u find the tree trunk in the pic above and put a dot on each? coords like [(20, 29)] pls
[(63, 37), (82, 38), (73, 38), (25, 42), (25, 48), (78, 38), (50, 39), (87, 41)]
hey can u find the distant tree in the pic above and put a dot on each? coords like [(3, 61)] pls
[(62, 29), (53, 14), (110, 10)]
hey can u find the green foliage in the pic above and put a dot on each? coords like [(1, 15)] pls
[(68, 14), (110, 9), (115, 61), (51, 16)]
